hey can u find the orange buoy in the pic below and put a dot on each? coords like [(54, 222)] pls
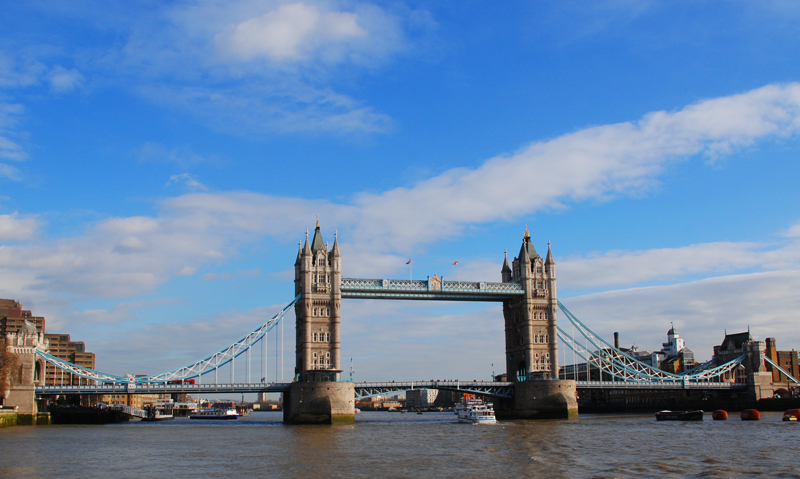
[(791, 415), (750, 415), (719, 415)]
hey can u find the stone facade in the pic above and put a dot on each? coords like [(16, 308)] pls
[(530, 320), (318, 279), (30, 371)]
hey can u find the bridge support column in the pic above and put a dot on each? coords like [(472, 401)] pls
[(542, 399), (319, 403)]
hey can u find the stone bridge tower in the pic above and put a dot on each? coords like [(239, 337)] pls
[(318, 279), (532, 341), (317, 396), (530, 320), (30, 368)]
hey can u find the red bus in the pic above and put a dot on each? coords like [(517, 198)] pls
[(181, 381)]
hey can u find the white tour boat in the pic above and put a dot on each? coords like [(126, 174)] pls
[(229, 413), (465, 406), (478, 414)]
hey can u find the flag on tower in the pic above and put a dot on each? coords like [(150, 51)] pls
[(455, 262), (409, 261)]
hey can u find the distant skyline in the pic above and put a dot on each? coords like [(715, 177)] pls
[(161, 161)]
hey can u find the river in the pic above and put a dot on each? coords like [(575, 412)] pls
[(383, 444)]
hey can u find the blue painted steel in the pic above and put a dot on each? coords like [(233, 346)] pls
[(791, 378), (481, 388), (164, 388), (429, 290), (613, 361), (193, 370)]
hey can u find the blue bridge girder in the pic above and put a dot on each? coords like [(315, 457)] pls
[(162, 388), (491, 389), (498, 389), (659, 385), (429, 290)]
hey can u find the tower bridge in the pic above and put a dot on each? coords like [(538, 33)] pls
[(317, 393)]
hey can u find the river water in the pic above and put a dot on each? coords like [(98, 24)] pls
[(383, 444)]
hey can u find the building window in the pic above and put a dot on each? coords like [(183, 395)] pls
[(327, 337)]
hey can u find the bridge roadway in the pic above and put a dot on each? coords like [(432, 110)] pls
[(364, 389)]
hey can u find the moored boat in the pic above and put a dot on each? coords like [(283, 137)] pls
[(229, 413), (791, 415), (679, 415)]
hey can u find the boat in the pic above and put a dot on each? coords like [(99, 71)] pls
[(478, 414), (791, 415), (229, 413), (679, 415), (466, 406)]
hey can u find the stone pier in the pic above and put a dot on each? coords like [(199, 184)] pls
[(540, 399), (319, 403)]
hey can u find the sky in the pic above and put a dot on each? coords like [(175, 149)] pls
[(160, 162)]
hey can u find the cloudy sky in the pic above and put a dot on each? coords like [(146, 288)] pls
[(161, 160)]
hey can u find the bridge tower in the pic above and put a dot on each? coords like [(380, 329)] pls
[(316, 395), (318, 279), (532, 339), (530, 320)]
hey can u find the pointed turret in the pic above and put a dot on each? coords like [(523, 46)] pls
[(306, 246), (549, 260), (506, 271), (299, 253), (335, 251), (317, 244), (527, 248)]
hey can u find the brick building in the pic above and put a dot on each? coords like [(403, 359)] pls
[(13, 318), (789, 361)]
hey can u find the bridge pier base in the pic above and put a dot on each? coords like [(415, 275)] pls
[(540, 399), (319, 403)]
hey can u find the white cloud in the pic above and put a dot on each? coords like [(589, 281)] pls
[(289, 32), (64, 80), (14, 228), (16, 73), (701, 311), (124, 256), (793, 231), (615, 268), (595, 162), (250, 67), (188, 180), (130, 244), (10, 149)]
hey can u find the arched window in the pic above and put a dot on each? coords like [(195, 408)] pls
[(314, 338), (327, 337), (521, 371)]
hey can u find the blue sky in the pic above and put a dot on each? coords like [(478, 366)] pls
[(160, 162)]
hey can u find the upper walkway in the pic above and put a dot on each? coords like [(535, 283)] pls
[(433, 289)]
